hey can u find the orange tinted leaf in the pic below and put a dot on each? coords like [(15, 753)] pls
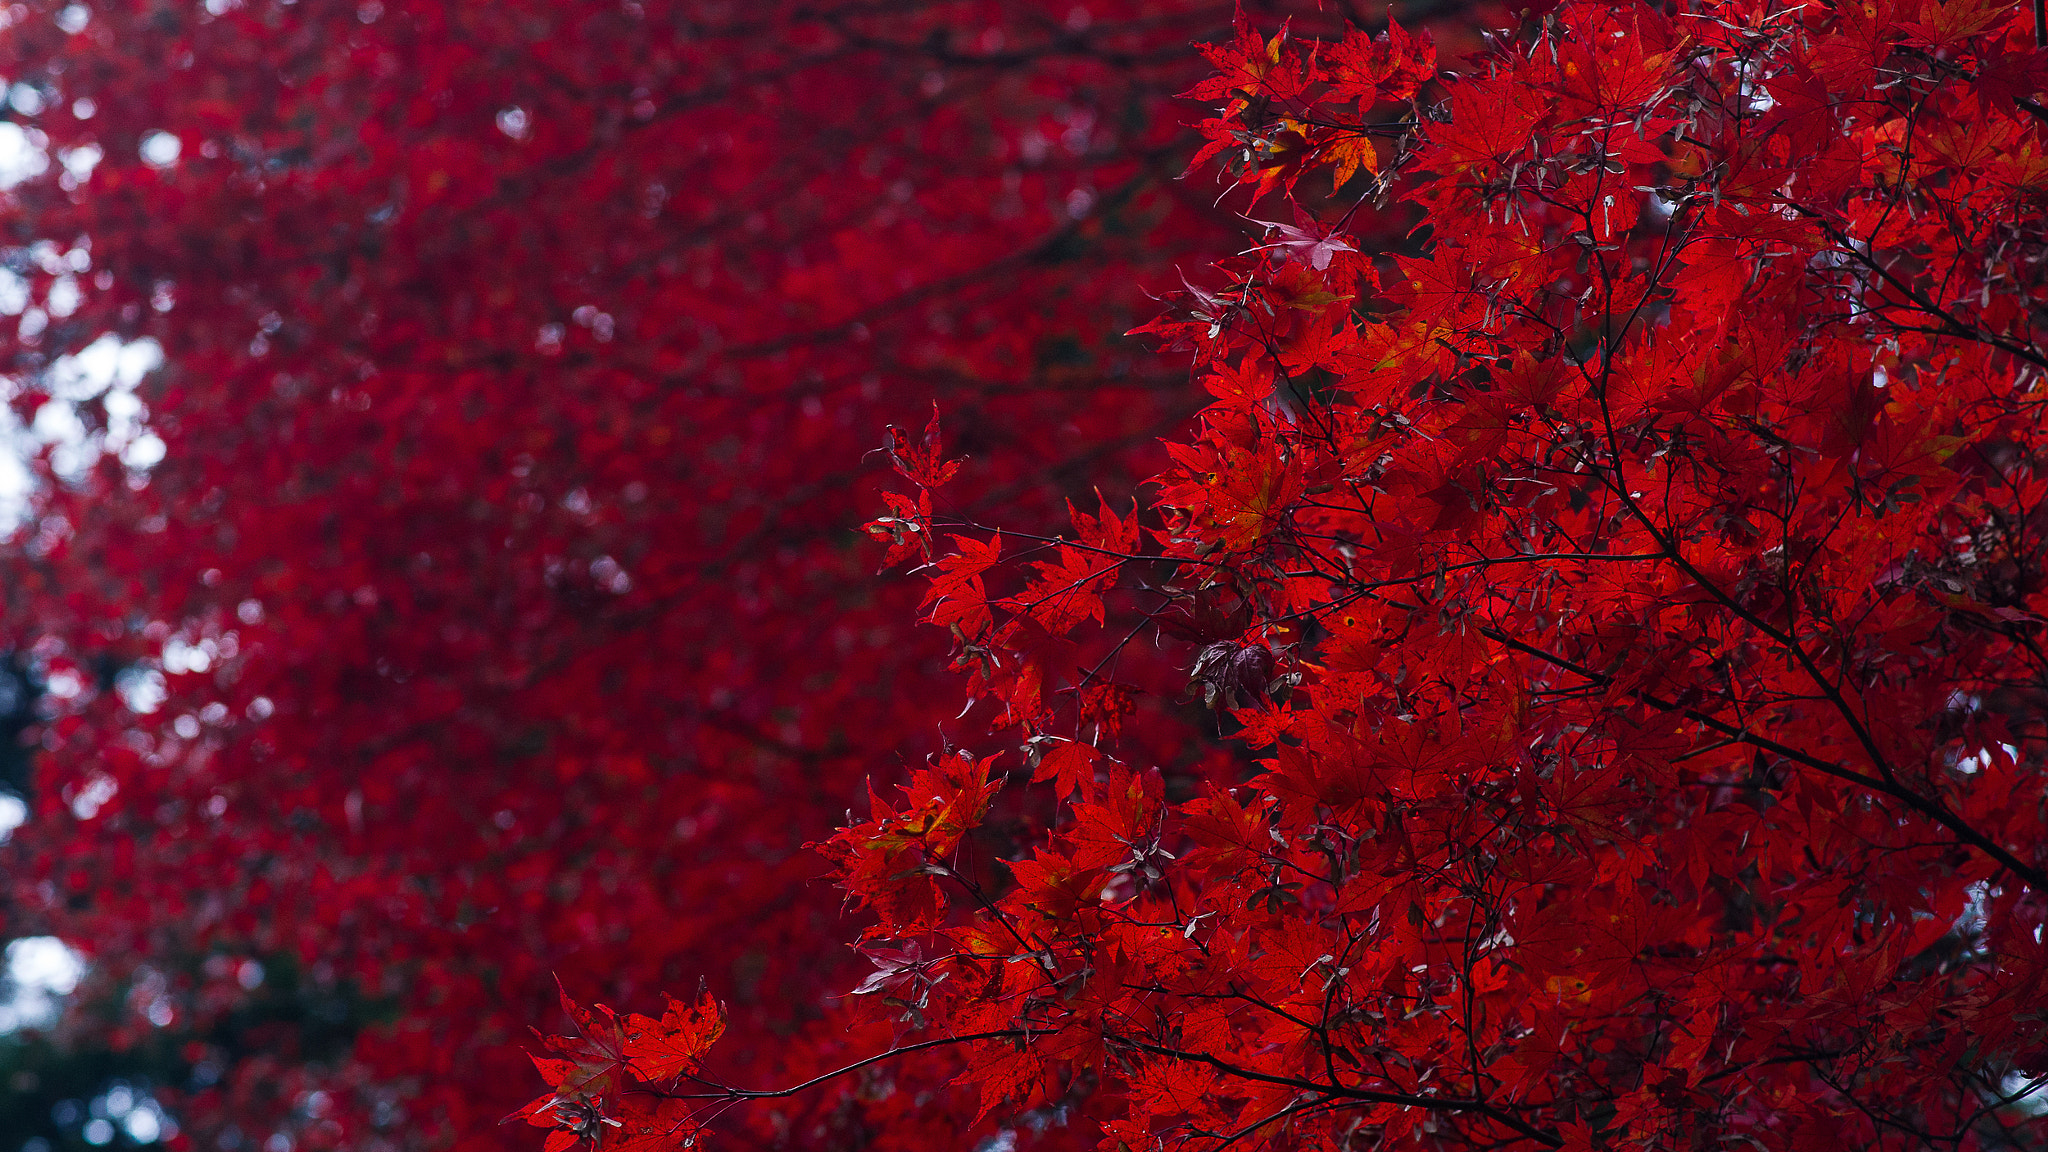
[(675, 1044)]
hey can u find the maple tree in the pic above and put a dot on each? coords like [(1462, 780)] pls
[(1621, 603), (1578, 686)]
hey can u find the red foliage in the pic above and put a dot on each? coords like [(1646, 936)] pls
[(1578, 685), (1628, 593)]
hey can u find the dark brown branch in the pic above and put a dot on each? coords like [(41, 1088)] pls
[(1405, 1099), (836, 1073), (1934, 810)]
